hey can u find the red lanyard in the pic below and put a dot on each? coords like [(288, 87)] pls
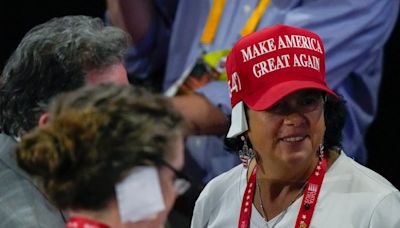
[(307, 205), (311, 194), (245, 210), (81, 222)]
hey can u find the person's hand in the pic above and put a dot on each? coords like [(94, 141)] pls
[(192, 83)]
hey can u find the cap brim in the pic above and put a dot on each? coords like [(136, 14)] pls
[(264, 99)]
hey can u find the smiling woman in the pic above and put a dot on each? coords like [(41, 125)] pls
[(288, 125), (295, 130)]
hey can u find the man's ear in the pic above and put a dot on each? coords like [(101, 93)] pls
[(44, 117)]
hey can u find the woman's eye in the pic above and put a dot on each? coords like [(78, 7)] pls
[(310, 101), (278, 107)]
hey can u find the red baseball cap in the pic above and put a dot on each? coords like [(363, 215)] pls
[(270, 64)]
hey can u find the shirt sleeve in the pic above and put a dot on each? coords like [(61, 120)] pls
[(200, 212), (217, 93), (386, 214), (354, 33), (150, 53)]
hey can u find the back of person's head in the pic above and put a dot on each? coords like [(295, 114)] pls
[(93, 138), (54, 57)]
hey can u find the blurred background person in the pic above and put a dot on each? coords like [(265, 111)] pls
[(178, 36), (59, 55), (110, 155)]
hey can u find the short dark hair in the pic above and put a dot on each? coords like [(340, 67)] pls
[(335, 118), (93, 138), (54, 57)]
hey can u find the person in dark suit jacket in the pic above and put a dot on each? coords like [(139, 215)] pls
[(59, 55)]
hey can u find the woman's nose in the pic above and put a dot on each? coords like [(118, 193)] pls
[(294, 118)]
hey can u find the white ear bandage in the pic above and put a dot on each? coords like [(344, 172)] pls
[(139, 195)]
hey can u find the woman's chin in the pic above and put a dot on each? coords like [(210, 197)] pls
[(295, 154)]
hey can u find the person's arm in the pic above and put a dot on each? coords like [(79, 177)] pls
[(201, 116), (354, 33), (386, 212), (134, 16), (206, 110), (149, 26)]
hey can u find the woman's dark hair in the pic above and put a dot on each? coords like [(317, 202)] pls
[(335, 118), (93, 138)]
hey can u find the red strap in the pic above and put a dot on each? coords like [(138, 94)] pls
[(247, 201), (82, 222), (307, 206), (311, 195)]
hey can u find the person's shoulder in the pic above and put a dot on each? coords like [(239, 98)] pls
[(7, 143), (226, 178), (361, 177), (9, 170), (220, 192), (223, 183), (23, 205)]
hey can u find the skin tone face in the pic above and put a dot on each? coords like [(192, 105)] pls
[(115, 74), (288, 134)]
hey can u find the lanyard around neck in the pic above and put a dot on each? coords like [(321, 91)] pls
[(215, 14), (255, 17), (307, 207), (311, 194)]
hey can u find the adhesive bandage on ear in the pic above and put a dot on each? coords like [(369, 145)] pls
[(139, 195)]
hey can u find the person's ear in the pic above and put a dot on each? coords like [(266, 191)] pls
[(44, 117)]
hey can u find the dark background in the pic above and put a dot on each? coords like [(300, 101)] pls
[(382, 138)]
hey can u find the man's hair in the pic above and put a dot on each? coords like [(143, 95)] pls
[(54, 57), (94, 136)]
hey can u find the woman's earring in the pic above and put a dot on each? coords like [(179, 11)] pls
[(321, 151), (246, 153)]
